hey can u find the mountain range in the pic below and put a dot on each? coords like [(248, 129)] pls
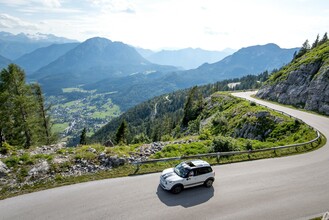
[(187, 58), (106, 66), (131, 90), (13, 46), (248, 60), (40, 57), (94, 60)]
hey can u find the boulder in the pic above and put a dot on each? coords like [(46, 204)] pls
[(3, 169), (39, 169), (109, 143), (117, 161)]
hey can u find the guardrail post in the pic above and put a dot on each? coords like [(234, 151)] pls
[(218, 156), (137, 167)]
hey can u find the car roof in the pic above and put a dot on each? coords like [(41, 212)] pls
[(197, 163)]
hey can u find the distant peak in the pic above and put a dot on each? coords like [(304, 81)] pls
[(272, 45)]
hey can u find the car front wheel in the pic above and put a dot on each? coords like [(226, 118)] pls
[(208, 183), (177, 189)]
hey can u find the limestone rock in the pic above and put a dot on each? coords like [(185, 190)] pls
[(305, 87), (39, 169), (3, 169)]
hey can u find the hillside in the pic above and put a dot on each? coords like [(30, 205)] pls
[(249, 60), (221, 121), (33, 61), (149, 116), (303, 82), (187, 58)]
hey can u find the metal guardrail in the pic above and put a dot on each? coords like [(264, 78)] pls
[(231, 153)]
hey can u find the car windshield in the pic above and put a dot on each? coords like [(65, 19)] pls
[(180, 170)]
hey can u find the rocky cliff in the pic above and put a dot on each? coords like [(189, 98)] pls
[(303, 83)]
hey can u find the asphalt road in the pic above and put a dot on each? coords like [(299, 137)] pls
[(294, 187)]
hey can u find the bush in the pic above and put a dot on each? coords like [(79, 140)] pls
[(11, 161), (166, 137), (27, 159), (6, 148), (249, 145), (193, 126), (223, 144), (140, 138), (205, 135)]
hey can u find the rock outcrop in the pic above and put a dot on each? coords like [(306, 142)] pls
[(303, 83)]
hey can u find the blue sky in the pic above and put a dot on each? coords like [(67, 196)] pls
[(156, 24)]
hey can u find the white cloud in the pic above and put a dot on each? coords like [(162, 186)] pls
[(10, 22), (51, 3), (114, 6), (155, 24)]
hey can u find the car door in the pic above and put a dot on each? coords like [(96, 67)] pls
[(192, 179)]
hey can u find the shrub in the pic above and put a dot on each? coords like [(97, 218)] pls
[(26, 159), (205, 135), (11, 161), (6, 148), (249, 145), (223, 144), (166, 137), (140, 138)]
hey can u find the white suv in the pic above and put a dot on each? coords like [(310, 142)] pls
[(187, 174)]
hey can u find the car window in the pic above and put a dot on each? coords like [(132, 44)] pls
[(203, 170), (180, 170)]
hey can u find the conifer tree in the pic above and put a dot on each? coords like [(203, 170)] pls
[(83, 137), (121, 134), (17, 99), (324, 39), (305, 47), (23, 116), (316, 42), (43, 114), (193, 106)]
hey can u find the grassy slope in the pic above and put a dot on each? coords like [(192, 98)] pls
[(318, 54)]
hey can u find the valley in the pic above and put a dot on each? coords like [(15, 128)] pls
[(77, 109)]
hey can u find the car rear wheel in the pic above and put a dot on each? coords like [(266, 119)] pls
[(177, 189), (208, 183)]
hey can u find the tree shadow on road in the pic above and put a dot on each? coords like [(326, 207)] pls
[(187, 198)]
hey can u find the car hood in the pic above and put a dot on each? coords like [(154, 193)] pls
[(170, 175)]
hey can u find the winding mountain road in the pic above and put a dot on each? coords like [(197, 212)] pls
[(294, 187)]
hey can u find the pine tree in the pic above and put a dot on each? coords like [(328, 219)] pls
[(305, 47), (23, 116), (43, 114), (324, 39), (121, 134), (17, 99), (193, 106), (83, 137), (316, 42)]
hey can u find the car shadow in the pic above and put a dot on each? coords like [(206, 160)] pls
[(187, 198)]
